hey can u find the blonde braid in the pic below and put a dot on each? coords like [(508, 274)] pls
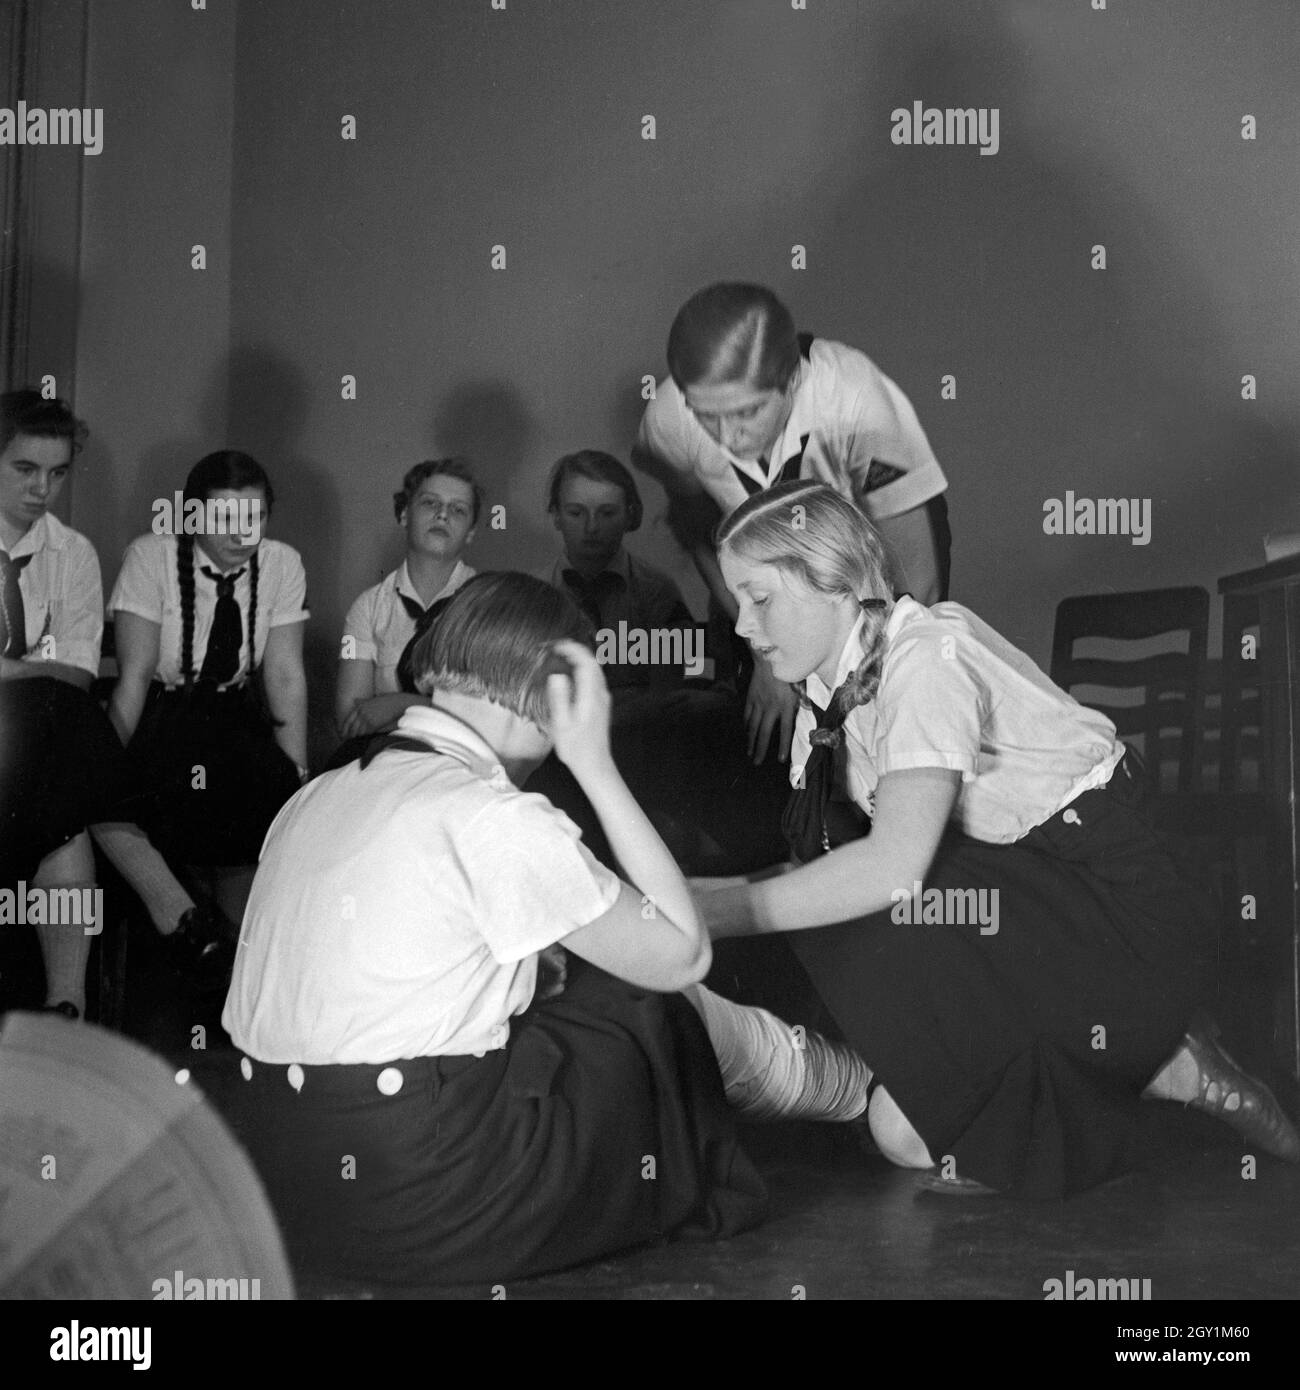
[(860, 686)]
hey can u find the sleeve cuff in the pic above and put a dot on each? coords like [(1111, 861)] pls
[(905, 494), (928, 757)]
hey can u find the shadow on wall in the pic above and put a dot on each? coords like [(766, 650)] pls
[(268, 415), (488, 423), (938, 260), (1115, 383)]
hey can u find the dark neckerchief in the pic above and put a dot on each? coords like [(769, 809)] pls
[(402, 743), (805, 824), (804, 821)]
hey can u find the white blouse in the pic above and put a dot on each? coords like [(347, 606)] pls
[(149, 586), (955, 694), (398, 909)]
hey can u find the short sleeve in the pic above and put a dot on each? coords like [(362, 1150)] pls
[(140, 585), (289, 602), (891, 467), (359, 625), (931, 707), (78, 630), (532, 878)]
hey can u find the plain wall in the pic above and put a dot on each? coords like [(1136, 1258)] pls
[(522, 127), (153, 334)]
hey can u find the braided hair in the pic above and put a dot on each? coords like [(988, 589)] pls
[(227, 468), (809, 531)]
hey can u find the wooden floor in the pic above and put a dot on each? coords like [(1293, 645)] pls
[(844, 1224), (848, 1225)]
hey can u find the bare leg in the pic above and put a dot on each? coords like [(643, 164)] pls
[(66, 946), (133, 855)]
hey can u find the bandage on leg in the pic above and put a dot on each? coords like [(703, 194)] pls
[(772, 1070)]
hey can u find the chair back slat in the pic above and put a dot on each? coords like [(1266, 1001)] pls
[(1167, 688)]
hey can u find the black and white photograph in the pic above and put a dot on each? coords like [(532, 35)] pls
[(650, 652)]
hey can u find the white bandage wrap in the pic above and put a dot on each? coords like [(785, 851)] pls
[(772, 1071)]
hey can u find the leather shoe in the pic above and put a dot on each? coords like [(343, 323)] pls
[(1257, 1115), (201, 948)]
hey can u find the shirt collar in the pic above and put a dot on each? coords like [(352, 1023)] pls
[(45, 533), (402, 584), (620, 565), (447, 734), (816, 688)]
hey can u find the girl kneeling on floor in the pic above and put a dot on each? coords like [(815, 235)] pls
[(414, 1119), (1017, 956)]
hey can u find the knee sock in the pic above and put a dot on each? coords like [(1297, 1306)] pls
[(131, 853), (65, 946), (772, 1071)]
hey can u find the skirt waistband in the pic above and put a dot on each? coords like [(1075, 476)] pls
[(353, 1078)]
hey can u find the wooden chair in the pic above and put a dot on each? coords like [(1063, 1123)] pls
[(1155, 698), (1177, 708)]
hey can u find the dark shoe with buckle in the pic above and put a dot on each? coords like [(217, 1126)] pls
[(65, 1008), (201, 948), (1256, 1115)]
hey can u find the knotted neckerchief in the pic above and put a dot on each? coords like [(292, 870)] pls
[(804, 822), (221, 660), (424, 620), (415, 610), (403, 743)]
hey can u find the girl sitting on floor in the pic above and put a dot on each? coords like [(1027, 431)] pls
[(417, 1114), (1017, 956)]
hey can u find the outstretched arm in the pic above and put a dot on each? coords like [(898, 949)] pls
[(912, 809)]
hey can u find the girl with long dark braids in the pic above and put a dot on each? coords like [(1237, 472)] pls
[(1012, 949), (198, 616)]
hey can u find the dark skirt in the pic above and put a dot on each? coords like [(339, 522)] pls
[(215, 775), (62, 768), (1022, 1053), (602, 1125)]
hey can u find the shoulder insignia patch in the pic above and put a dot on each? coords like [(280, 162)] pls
[(881, 474)]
